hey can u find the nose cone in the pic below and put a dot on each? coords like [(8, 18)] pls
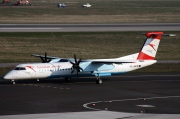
[(7, 76), (15, 75)]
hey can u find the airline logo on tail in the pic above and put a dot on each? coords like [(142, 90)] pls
[(150, 47)]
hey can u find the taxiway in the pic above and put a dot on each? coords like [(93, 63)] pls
[(89, 27), (120, 96)]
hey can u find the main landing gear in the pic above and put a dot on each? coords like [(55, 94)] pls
[(98, 80)]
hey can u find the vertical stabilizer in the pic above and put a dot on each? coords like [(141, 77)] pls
[(150, 47)]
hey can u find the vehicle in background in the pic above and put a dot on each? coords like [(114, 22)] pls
[(23, 2), (86, 5), (61, 5), (6, 1)]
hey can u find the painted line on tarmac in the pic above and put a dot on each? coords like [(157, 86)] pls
[(43, 86), (123, 100)]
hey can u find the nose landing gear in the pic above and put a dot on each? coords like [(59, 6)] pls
[(13, 82)]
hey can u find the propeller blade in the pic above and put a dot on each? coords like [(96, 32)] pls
[(79, 61), (42, 59), (75, 65), (72, 71), (80, 69), (45, 57), (72, 63), (75, 58)]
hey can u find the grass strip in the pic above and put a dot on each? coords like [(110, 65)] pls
[(17, 47)]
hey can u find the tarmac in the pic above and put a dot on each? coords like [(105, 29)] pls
[(132, 96)]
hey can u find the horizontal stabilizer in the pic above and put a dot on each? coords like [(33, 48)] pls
[(156, 34)]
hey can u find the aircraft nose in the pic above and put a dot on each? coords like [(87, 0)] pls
[(8, 76)]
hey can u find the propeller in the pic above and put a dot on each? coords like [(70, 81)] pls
[(44, 59), (76, 66)]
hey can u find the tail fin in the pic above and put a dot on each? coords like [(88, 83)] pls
[(150, 47)]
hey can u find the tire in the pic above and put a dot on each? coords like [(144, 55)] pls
[(98, 81)]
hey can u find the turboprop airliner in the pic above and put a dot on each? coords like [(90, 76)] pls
[(54, 67)]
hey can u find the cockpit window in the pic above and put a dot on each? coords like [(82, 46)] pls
[(63, 60), (19, 68)]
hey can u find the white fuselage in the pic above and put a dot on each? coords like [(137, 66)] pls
[(64, 69)]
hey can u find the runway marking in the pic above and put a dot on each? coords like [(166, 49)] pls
[(145, 105), (43, 86), (150, 98)]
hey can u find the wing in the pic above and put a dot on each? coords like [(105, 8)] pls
[(102, 65), (111, 61), (51, 59), (43, 56)]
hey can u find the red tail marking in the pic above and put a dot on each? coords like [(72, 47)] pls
[(156, 35), (144, 56), (152, 45), (150, 35)]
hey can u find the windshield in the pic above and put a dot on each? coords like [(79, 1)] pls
[(19, 68)]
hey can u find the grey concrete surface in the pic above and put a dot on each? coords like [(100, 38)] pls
[(89, 27)]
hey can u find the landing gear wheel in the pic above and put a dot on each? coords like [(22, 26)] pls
[(98, 81), (13, 82)]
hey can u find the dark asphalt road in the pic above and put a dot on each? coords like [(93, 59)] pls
[(125, 93)]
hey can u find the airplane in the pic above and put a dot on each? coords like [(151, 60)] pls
[(55, 67)]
